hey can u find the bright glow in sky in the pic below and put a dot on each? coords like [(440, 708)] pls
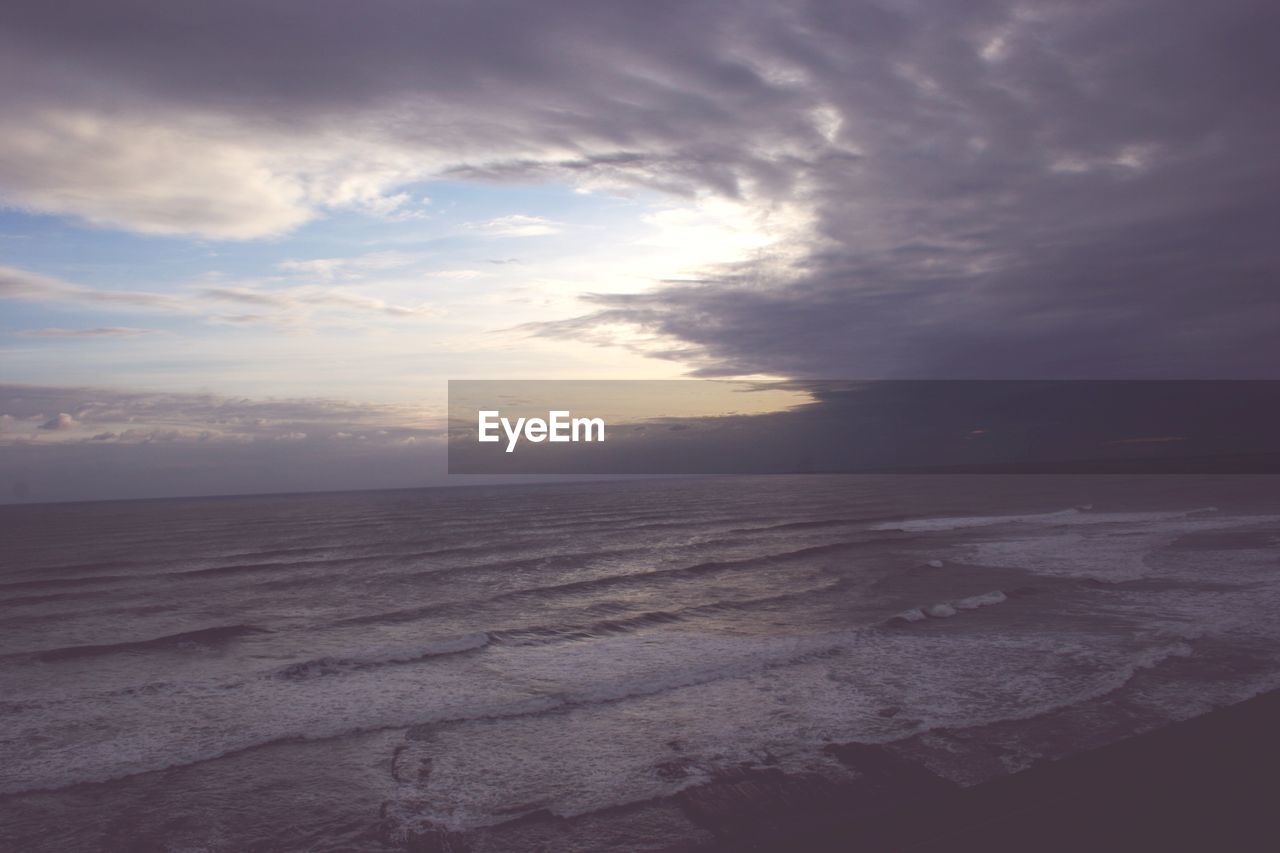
[(361, 305)]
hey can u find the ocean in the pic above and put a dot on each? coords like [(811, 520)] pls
[(574, 666)]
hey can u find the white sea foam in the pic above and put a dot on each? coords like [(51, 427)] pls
[(976, 601), (1072, 516), (944, 609), (926, 525), (385, 656), (581, 760), (209, 719), (1121, 549)]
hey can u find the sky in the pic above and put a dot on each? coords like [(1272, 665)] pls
[(243, 245)]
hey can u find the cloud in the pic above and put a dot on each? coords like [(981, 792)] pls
[(243, 319), (289, 131), (33, 287), (59, 423), (299, 297), (137, 416), (519, 225), (456, 275), (245, 296), (351, 267), (364, 303), (139, 173), (1054, 205), (291, 302), (107, 443), (100, 332), (296, 297), (985, 189)]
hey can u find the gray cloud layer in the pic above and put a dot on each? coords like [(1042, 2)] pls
[(1090, 200), (82, 443), (1050, 189)]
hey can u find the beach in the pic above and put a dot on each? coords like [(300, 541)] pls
[(1202, 784)]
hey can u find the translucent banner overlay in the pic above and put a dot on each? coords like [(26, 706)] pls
[(674, 427)]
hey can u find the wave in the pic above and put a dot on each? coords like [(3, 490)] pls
[(928, 525), (556, 560), (975, 601), (724, 659), (751, 657), (706, 567), (544, 634), (201, 637), (184, 574), (1083, 514), (638, 579), (800, 525), (1128, 547), (539, 635), (945, 609), (78, 567), (28, 600), (257, 566), (77, 570), (385, 657), (54, 583)]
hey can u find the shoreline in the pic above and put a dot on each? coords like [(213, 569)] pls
[(1207, 783)]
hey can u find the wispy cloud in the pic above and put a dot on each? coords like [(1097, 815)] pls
[(99, 332), (32, 287), (245, 296), (519, 225), (244, 319), (290, 302), (299, 297), (92, 413), (456, 275), (355, 266)]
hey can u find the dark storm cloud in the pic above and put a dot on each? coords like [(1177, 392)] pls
[(1038, 426), (1048, 189), (268, 112), (1094, 199)]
